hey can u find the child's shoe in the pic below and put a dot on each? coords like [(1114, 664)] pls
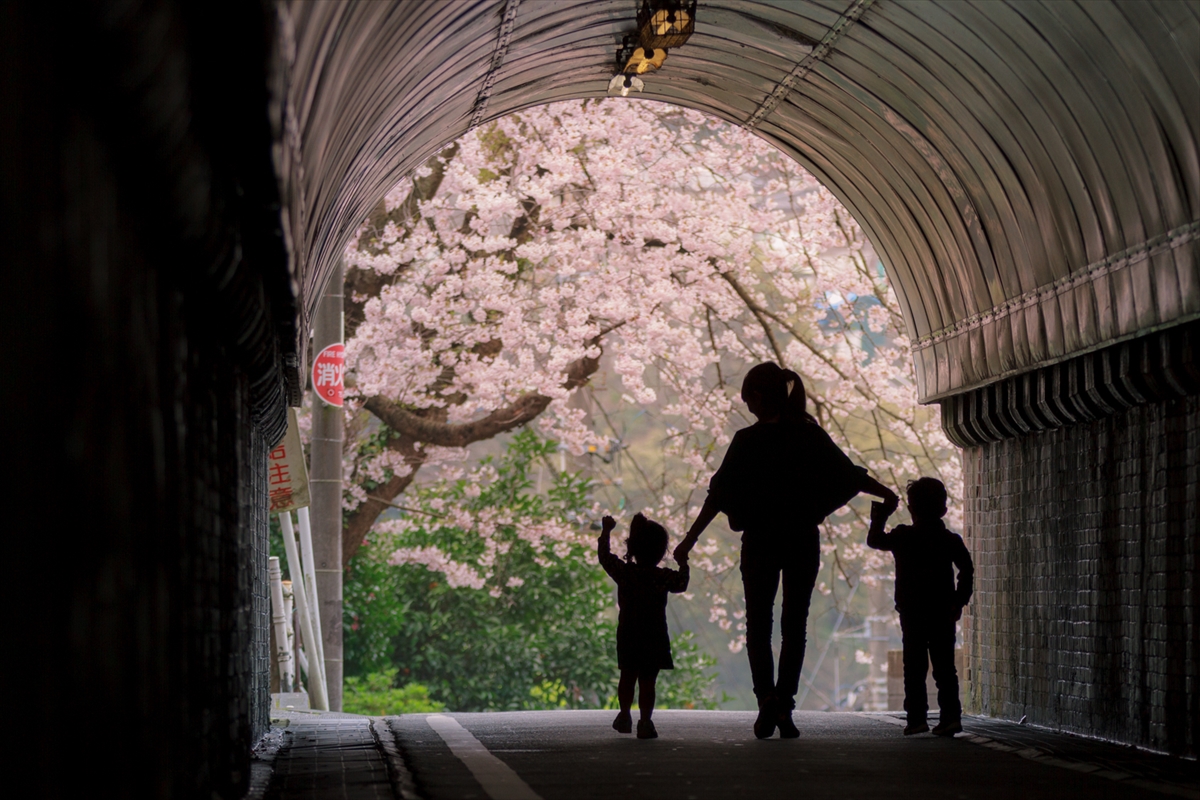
[(948, 727), (768, 714), (623, 723), (787, 728), (646, 729), (916, 727)]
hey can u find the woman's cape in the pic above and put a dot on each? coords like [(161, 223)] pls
[(783, 475)]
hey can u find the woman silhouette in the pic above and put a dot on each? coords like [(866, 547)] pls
[(780, 478)]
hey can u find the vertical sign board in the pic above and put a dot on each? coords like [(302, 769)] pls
[(328, 374), (287, 479)]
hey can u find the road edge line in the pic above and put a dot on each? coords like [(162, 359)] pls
[(498, 779)]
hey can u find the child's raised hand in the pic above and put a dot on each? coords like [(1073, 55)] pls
[(607, 524), (881, 511)]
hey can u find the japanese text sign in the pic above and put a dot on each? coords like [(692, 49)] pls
[(328, 373), (287, 478)]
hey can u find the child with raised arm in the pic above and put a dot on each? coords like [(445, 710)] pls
[(643, 645), (929, 604)]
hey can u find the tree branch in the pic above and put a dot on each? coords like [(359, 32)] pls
[(759, 313), (406, 508), (359, 521), (499, 421)]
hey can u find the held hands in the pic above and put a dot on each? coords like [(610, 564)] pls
[(880, 511), (892, 501), (682, 549)]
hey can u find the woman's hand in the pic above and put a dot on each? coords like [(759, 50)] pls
[(606, 525), (872, 486), (683, 548)]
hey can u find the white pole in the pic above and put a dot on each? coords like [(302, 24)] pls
[(283, 655), (310, 587), (316, 681), (291, 632)]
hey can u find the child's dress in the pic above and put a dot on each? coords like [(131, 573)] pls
[(642, 639)]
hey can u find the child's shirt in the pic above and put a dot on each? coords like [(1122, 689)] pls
[(641, 591), (925, 557)]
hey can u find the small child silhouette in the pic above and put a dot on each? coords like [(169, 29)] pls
[(643, 646), (928, 602)]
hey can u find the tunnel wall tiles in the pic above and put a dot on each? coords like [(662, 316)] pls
[(254, 548), (217, 668), (1085, 545), (148, 316)]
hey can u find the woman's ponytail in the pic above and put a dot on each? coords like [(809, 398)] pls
[(797, 401)]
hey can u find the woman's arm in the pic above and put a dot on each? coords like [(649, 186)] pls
[(725, 482), (707, 514), (871, 486)]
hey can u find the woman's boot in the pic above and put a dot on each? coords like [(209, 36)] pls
[(787, 728), (768, 713)]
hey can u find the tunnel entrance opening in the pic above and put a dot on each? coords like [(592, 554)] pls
[(585, 266)]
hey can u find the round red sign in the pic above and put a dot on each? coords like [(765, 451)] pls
[(328, 371)]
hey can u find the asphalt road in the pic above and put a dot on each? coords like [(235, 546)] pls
[(573, 755)]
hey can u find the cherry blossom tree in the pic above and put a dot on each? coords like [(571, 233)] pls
[(657, 244)]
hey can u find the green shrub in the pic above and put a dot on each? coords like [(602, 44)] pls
[(377, 695), (541, 630), (690, 684)]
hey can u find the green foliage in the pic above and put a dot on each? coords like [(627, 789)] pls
[(690, 684), (490, 647), (539, 633), (376, 695)]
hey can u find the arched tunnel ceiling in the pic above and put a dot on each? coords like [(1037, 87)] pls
[(1028, 171)]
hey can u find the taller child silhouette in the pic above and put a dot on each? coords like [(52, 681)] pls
[(780, 478)]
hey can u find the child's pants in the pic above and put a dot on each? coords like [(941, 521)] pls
[(929, 638)]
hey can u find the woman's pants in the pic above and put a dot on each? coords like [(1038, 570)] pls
[(797, 559)]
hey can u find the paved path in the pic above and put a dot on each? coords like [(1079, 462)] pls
[(574, 755)]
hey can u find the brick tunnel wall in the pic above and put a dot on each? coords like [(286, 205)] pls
[(146, 314), (1086, 545)]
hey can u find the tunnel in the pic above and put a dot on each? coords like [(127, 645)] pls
[(180, 183)]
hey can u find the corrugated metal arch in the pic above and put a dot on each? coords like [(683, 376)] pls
[(1028, 171)]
